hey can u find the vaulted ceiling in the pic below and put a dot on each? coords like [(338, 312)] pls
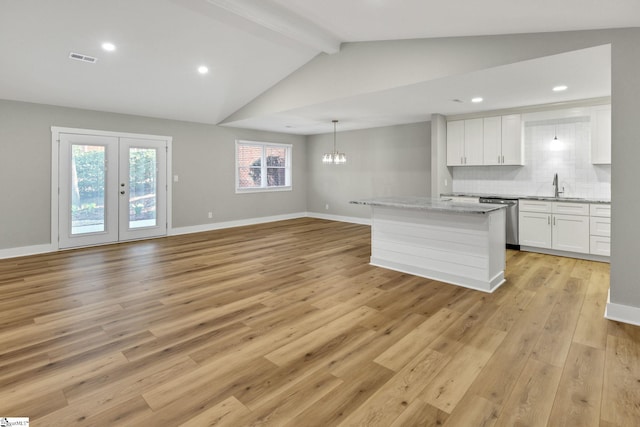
[(251, 45)]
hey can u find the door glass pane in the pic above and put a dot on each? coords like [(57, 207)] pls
[(142, 187), (88, 174)]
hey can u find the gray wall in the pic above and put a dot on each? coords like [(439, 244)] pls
[(385, 161), (374, 66), (203, 158)]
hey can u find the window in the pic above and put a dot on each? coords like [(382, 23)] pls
[(262, 166)]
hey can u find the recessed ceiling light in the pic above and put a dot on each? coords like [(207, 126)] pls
[(477, 99), (109, 47), (560, 88), (203, 70)]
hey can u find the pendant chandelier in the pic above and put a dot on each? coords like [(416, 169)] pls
[(334, 157)]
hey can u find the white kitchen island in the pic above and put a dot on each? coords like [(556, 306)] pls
[(458, 243)]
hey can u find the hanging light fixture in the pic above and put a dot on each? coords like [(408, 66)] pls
[(556, 144), (334, 157)]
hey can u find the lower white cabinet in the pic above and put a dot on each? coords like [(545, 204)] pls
[(542, 227), (600, 229), (570, 233), (535, 229)]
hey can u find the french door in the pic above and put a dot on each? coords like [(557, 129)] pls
[(110, 189)]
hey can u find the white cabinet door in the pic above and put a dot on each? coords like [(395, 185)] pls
[(601, 134), (600, 226), (601, 245), (535, 229), (512, 140), (492, 140), (473, 144), (571, 233), (455, 143)]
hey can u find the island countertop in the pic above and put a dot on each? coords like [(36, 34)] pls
[(429, 204)]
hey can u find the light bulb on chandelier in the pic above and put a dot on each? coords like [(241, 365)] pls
[(334, 157)]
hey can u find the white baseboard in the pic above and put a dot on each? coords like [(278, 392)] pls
[(40, 249), (26, 251), (588, 257), (351, 219), (230, 224), (622, 313)]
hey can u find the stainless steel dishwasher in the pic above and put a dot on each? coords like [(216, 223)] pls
[(511, 218)]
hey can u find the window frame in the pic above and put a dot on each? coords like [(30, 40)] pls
[(263, 167)]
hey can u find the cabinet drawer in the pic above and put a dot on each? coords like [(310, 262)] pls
[(600, 245), (525, 205), (570, 208), (600, 210), (600, 226)]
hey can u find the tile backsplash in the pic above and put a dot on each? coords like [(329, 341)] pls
[(569, 157)]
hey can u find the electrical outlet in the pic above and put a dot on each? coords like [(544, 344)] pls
[(210, 214), (175, 178), (326, 206)]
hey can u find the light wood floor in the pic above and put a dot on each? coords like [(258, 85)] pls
[(286, 324)]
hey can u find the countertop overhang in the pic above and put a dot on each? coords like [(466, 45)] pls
[(429, 204)]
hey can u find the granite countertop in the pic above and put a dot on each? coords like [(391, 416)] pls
[(514, 196), (429, 204)]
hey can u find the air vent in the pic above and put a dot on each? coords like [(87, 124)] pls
[(83, 58)]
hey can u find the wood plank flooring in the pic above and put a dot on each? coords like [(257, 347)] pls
[(286, 324)]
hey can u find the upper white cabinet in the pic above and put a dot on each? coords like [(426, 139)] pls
[(455, 143), (464, 142), (473, 130), (601, 134), (512, 140), (485, 141), (492, 140)]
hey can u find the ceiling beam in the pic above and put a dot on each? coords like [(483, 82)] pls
[(283, 21)]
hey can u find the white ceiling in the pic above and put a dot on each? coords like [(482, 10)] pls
[(587, 72), (250, 45)]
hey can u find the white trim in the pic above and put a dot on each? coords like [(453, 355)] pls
[(588, 257), (622, 313), (58, 130), (288, 169), (236, 223), (451, 278), (55, 144), (340, 218), (47, 248), (26, 251)]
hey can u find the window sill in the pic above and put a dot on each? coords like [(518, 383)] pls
[(262, 190)]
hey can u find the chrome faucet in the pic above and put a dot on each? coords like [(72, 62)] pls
[(556, 193)]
